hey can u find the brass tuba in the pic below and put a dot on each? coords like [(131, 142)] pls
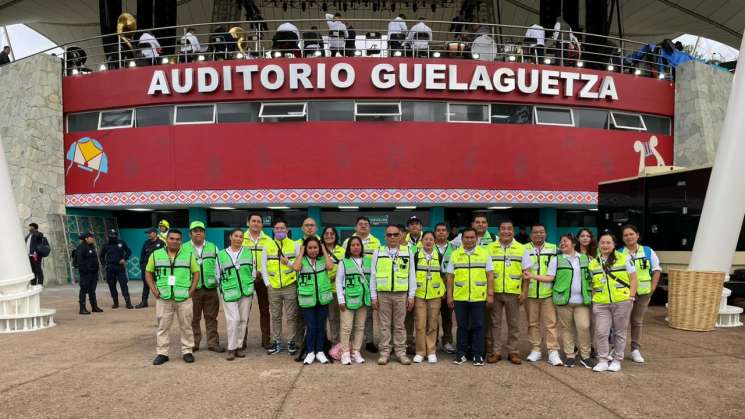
[(239, 34), (126, 23)]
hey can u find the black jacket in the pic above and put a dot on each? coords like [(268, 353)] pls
[(114, 251), (4, 58), (36, 240), (86, 259), (148, 247)]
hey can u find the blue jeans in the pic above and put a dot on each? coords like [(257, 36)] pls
[(315, 327), (470, 318)]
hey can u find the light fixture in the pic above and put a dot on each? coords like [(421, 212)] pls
[(637, 72), (592, 209), (580, 64), (239, 55), (498, 208), (102, 67), (75, 72), (436, 54), (222, 208), (132, 64), (140, 209), (611, 67), (348, 207), (200, 57), (546, 60), (358, 53), (164, 60), (397, 54), (512, 58), (661, 76), (317, 54), (475, 55), (278, 208), (277, 54), (405, 207)]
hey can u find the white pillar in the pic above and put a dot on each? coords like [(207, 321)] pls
[(724, 206)]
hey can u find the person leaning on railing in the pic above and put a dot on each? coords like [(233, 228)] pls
[(419, 37), (397, 31), (337, 33)]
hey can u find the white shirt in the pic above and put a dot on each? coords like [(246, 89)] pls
[(234, 257), (397, 25), (392, 253), (418, 43), (336, 26), (340, 278), (289, 27), (149, 45), (655, 261), (191, 43), (536, 31), (451, 268)]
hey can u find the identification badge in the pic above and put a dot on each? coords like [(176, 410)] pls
[(236, 264), (429, 275), (171, 280), (507, 262), (395, 267), (199, 261)]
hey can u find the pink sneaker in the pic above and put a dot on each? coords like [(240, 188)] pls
[(357, 358)]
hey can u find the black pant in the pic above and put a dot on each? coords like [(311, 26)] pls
[(37, 270), (315, 327), (116, 274), (470, 318), (145, 288), (88, 282)]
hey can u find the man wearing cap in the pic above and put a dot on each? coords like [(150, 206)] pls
[(151, 244), (413, 240), (205, 299), (114, 255), (163, 227), (86, 261)]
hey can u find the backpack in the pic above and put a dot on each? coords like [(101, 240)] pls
[(44, 249)]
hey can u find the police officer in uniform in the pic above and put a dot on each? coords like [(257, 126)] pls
[(86, 260), (114, 255), (151, 244)]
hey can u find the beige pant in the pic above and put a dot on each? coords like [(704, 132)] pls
[(637, 319), (427, 313), (541, 312), (284, 299), (236, 320), (353, 326), (165, 310), (392, 314), (614, 315), (332, 327), (493, 323), (574, 319)]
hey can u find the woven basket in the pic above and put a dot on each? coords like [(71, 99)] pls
[(693, 299)]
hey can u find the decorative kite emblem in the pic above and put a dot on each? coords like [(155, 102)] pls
[(88, 154)]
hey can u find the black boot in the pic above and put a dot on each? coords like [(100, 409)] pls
[(143, 304), (97, 309), (116, 303), (83, 310), (128, 302)]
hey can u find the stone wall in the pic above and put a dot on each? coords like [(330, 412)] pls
[(701, 96), (32, 133)]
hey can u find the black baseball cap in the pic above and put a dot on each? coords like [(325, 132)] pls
[(84, 236), (413, 219), (151, 230)]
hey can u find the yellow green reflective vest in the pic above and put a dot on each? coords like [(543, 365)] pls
[(539, 266), (429, 281), (508, 267), (413, 247), (313, 287), (206, 261), (369, 244), (237, 276), (613, 286), (469, 274), (392, 275), (179, 268), (562, 289), (257, 247), (444, 257), (280, 275), (336, 256), (643, 263), (356, 283)]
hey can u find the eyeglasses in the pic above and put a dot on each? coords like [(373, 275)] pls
[(392, 234)]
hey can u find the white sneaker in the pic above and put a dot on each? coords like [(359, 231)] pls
[(418, 359), (345, 360), (534, 356), (554, 358), (637, 356), (357, 358), (449, 348), (321, 357), (432, 359), (309, 358), (615, 366), (601, 366)]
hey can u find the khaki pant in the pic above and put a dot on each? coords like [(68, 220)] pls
[(206, 301), (353, 327), (574, 319), (392, 314), (493, 323), (427, 313), (284, 299), (165, 310), (332, 328), (615, 315), (637, 319), (541, 312), (236, 321)]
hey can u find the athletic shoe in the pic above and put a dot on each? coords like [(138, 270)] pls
[(357, 358), (188, 358), (418, 359), (432, 359), (570, 362), (615, 366), (321, 357), (160, 359), (291, 348), (309, 358), (449, 348), (601, 366), (587, 362), (345, 360), (554, 358), (478, 361), (637, 356), (534, 356), (459, 360), (274, 349)]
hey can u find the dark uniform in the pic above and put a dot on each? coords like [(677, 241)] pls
[(148, 247), (112, 253), (86, 261)]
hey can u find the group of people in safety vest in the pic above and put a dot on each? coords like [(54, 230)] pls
[(399, 294)]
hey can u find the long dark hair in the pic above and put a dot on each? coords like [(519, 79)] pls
[(313, 239), (612, 256), (592, 248), (347, 253)]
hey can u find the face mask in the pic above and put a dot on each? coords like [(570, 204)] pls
[(280, 235)]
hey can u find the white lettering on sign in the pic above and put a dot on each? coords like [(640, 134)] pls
[(385, 76)]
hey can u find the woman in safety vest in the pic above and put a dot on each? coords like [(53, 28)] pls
[(648, 273), (236, 273), (613, 292), (572, 297), (331, 243), (314, 295), (353, 293), (586, 243), (430, 287)]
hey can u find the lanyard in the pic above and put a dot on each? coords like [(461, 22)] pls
[(236, 257), (333, 256), (358, 266), (172, 262)]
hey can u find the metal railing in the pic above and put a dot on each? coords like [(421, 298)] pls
[(251, 40)]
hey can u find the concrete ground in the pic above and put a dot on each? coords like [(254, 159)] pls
[(100, 366)]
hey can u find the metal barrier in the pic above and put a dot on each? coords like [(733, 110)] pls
[(249, 40)]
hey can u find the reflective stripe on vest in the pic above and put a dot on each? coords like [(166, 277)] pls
[(280, 275), (179, 267), (539, 266), (469, 274), (356, 283), (606, 289), (257, 247), (562, 289), (392, 275), (429, 283), (643, 270), (313, 287), (237, 278), (508, 267)]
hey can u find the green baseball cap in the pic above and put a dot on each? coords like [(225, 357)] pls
[(196, 224)]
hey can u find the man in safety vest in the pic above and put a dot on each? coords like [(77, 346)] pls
[(470, 289), (257, 241), (540, 260), (163, 227), (507, 257), (444, 251), (205, 299), (413, 240), (172, 274), (282, 286), (310, 229), (392, 288), (480, 224)]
